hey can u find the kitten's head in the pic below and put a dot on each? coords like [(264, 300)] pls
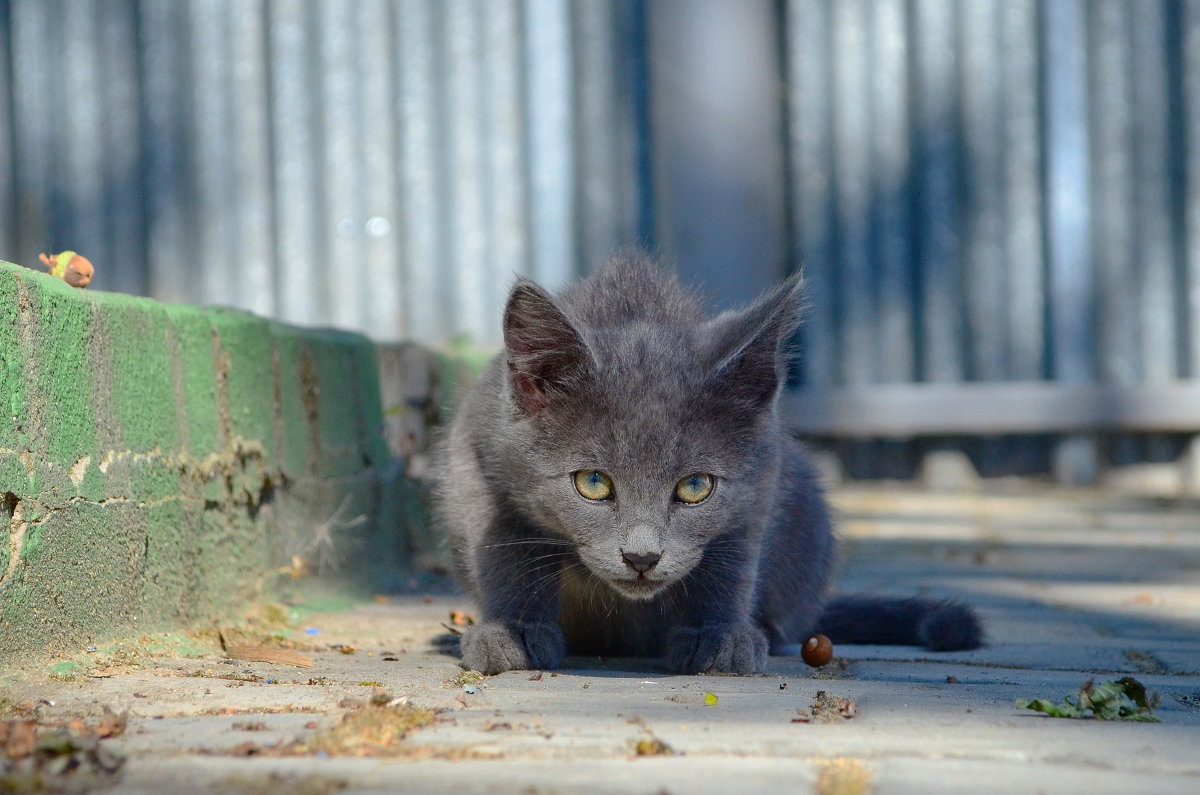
[(645, 438)]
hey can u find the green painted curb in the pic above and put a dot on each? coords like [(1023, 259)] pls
[(162, 465)]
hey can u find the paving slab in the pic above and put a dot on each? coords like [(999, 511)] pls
[(1072, 586)]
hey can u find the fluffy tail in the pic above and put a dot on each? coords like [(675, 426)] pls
[(939, 626)]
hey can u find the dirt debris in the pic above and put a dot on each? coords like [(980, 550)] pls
[(843, 776), (249, 726), (372, 731), (274, 782), (465, 678), (652, 746), (649, 744), (70, 757), (826, 709)]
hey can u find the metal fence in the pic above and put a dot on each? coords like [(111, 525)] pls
[(981, 191), (998, 190), (383, 165)]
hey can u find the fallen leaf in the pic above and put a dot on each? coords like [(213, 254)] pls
[(112, 726), (267, 654), (491, 727), (461, 619), (1123, 699), (18, 738), (652, 746), (710, 699)]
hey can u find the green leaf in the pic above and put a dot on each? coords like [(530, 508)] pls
[(1142, 717), (1064, 710), (1124, 699), (1137, 693)]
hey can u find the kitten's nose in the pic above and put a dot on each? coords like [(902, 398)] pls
[(641, 562)]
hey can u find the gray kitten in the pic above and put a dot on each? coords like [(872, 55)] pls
[(618, 483)]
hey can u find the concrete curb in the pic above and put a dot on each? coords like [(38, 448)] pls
[(161, 464)]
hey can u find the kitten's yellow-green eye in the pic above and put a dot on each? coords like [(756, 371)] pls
[(592, 484), (694, 488)]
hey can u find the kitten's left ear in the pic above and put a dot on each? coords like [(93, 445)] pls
[(546, 355), (750, 365)]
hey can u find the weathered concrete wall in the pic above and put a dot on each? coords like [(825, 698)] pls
[(160, 464)]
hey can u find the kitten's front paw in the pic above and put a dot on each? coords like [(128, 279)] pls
[(717, 648), (493, 647)]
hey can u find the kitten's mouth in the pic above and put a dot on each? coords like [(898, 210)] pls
[(639, 587)]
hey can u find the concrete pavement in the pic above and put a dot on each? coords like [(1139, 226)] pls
[(1072, 585)]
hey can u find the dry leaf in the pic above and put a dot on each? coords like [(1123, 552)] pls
[(18, 738), (267, 654), (461, 619), (652, 746)]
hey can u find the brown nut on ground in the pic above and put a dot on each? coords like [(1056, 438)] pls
[(817, 650)]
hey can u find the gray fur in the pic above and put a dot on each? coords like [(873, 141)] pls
[(623, 373)]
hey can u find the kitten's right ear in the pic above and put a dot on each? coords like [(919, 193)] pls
[(546, 355)]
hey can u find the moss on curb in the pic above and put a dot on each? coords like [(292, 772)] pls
[(160, 464)]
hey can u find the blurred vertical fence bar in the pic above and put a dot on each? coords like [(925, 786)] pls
[(1068, 214), (465, 233), (165, 176), (1023, 257), (979, 191), (891, 196), (851, 166), (82, 118), (506, 207), (217, 205), (938, 203), (810, 140), (253, 253), (420, 132), (718, 154), (121, 128), (1190, 74)]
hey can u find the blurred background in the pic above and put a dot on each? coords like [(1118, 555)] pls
[(996, 202)]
